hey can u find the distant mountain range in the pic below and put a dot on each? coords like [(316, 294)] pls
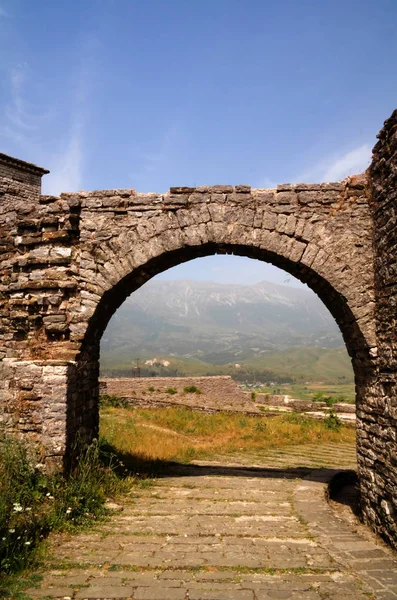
[(217, 323)]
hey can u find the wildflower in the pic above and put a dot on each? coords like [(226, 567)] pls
[(17, 507), (11, 530), (68, 511), (27, 543), (28, 508), (3, 539)]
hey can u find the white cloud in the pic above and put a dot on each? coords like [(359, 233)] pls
[(353, 162), (337, 168), (66, 167), (66, 171), (32, 124), (17, 112), (22, 122)]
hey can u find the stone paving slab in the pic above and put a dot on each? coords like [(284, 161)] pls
[(218, 532)]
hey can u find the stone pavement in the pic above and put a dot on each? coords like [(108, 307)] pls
[(227, 531)]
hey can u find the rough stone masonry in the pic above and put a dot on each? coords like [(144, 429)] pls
[(68, 262)]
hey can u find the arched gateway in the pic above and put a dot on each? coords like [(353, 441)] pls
[(68, 263)]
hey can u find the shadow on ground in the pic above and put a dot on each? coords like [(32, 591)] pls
[(138, 466)]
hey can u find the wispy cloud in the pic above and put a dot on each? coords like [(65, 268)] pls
[(22, 120), (17, 111), (67, 166), (353, 162), (336, 168), (3, 12), (35, 128), (66, 170)]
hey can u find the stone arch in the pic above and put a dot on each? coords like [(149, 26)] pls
[(66, 264), (334, 273)]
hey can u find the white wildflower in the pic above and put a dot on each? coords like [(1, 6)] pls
[(11, 530), (28, 508), (27, 543), (17, 507)]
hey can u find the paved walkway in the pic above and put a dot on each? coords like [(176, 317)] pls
[(227, 531)]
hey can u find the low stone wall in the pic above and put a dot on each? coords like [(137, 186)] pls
[(217, 393)]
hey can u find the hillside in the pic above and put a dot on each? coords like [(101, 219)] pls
[(206, 328)]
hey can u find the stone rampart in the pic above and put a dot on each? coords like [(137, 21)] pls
[(377, 428), (216, 393)]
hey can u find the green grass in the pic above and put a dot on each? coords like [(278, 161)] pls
[(180, 434), (33, 503), (343, 392)]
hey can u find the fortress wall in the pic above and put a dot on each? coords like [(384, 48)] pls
[(217, 393)]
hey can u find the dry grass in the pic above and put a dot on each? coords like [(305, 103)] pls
[(182, 435)]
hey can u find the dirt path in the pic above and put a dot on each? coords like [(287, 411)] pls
[(227, 531)]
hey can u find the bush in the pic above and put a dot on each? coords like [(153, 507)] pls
[(112, 400), (253, 396), (329, 400), (151, 389), (32, 503), (171, 391), (332, 421), (191, 389)]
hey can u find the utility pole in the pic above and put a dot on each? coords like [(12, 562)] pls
[(136, 369)]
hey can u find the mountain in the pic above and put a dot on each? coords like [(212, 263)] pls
[(217, 323)]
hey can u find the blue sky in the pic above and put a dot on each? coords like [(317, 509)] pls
[(153, 93)]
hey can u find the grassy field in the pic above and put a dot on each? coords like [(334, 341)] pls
[(182, 435), (309, 390)]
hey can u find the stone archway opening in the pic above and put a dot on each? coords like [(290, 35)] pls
[(119, 377), (83, 407)]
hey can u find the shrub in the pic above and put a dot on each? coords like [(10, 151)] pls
[(332, 421), (32, 502), (329, 400), (113, 400), (171, 391), (253, 396), (191, 389), (151, 389)]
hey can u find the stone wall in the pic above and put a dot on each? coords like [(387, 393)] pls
[(67, 263), (217, 393), (377, 433)]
